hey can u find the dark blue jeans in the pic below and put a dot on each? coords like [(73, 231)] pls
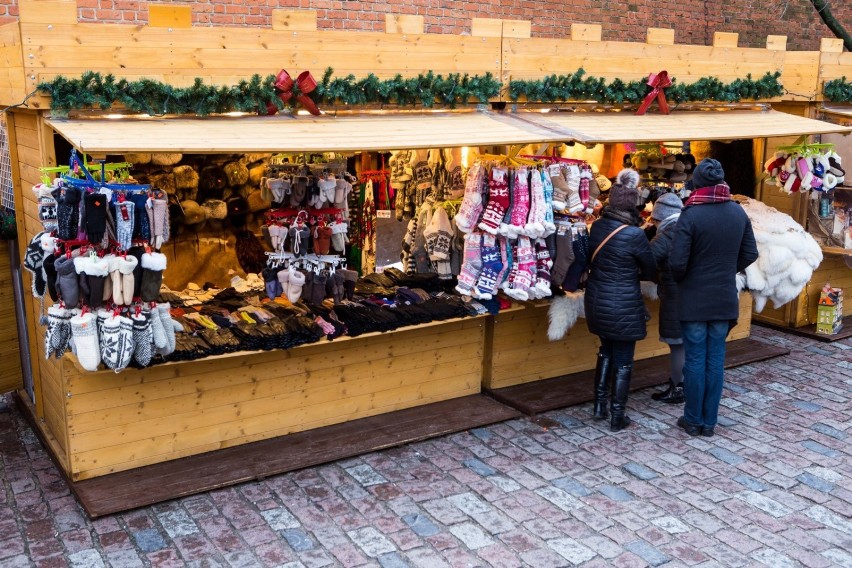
[(703, 370)]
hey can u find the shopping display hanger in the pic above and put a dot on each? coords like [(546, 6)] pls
[(511, 159), (803, 148)]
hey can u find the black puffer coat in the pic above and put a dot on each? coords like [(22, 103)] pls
[(614, 306), (661, 246)]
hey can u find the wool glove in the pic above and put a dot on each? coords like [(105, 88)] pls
[(92, 274), (67, 283), (96, 208), (67, 211), (153, 265), (141, 225), (84, 334), (125, 213)]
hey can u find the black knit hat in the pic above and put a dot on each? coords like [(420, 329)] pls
[(708, 173)]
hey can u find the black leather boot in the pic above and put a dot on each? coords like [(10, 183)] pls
[(672, 395), (620, 388), (602, 375)]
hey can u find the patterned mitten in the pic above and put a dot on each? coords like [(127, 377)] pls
[(168, 326), (58, 331), (67, 212), (542, 272), (96, 207), (498, 200), (101, 316), (158, 330), (559, 200), (125, 213), (66, 281), (117, 344), (471, 207), (549, 225), (153, 265), (520, 204), (143, 339), (85, 336), (492, 267)]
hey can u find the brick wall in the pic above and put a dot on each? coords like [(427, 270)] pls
[(694, 21)]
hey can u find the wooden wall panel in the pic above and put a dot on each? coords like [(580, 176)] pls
[(834, 270), (121, 421), (10, 362), (12, 82)]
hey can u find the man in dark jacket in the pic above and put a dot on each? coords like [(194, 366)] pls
[(713, 241)]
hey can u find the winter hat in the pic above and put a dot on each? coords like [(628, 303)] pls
[(165, 159), (193, 213), (667, 205), (238, 208), (624, 193), (708, 173), (212, 182), (216, 208), (33, 261)]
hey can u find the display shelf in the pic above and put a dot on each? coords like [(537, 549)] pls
[(836, 250)]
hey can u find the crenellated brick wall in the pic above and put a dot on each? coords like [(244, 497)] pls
[(694, 21)]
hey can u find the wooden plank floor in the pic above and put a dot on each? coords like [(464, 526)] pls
[(810, 330), (541, 396), (147, 485)]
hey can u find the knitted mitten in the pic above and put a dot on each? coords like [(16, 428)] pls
[(117, 345), (126, 266), (113, 284), (49, 267), (322, 240), (153, 265), (283, 277), (124, 213), (85, 336), (549, 226), (542, 272), (271, 283), (294, 286), (141, 224), (97, 273), (520, 204), (58, 332), (498, 200), (535, 223), (350, 277), (339, 237), (559, 200), (96, 206), (317, 294), (164, 308), (298, 191), (143, 339), (471, 263), (67, 212), (492, 267), (66, 281), (158, 330), (299, 239), (339, 290), (101, 316), (564, 254)]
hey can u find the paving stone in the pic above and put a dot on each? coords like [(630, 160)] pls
[(471, 535), (774, 558), (820, 449), (816, 482), (829, 431), (149, 540), (825, 473), (726, 456), (750, 482), (280, 519), (571, 550), (572, 486), (765, 504), (671, 525), (89, 558), (392, 560), (366, 475), (504, 483), (559, 498), (479, 467), (177, 523), (297, 539), (421, 525), (646, 552), (639, 471), (371, 541), (615, 493), (807, 406)]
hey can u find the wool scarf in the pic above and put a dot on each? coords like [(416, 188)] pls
[(718, 193)]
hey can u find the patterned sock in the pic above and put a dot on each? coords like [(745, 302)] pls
[(560, 188), (564, 254), (471, 207), (549, 225), (512, 260), (585, 181), (492, 267), (471, 264), (525, 278), (498, 200), (535, 223), (573, 179), (542, 272), (520, 203)]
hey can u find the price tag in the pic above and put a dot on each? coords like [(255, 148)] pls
[(383, 214)]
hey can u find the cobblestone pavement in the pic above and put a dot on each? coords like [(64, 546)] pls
[(772, 488)]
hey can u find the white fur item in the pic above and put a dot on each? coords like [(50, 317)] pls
[(563, 314), (154, 261), (649, 289), (628, 178)]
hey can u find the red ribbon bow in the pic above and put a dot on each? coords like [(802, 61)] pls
[(657, 82), (306, 84)]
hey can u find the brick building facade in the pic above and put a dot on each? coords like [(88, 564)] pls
[(694, 21)]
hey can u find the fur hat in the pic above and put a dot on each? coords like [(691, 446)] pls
[(257, 202), (667, 204), (238, 209), (165, 159), (216, 208), (193, 213), (212, 182), (624, 193), (185, 177), (237, 173), (708, 173)]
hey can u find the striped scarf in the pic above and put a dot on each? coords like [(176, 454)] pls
[(718, 193)]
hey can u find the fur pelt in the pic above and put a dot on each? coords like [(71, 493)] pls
[(649, 289), (787, 256), (563, 314)]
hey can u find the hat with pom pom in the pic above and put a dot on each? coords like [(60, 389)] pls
[(625, 193)]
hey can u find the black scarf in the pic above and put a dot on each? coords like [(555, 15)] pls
[(628, 217)]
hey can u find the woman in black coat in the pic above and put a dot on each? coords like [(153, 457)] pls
[(665, 215), (615, 310)]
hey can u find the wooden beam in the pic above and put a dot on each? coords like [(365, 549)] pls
[(294, 20), (831, 45), (48, 11), (169, 16), (776, 43), (725, 39), (586, 32), (660, 36), (486, 27), (517, 28), (403, 24)]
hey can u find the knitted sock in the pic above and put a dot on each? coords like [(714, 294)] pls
[(535, 222), (525, 278), (498, 200), (471, 263), (96, 206), (294, 286), (153, 265), (164, 308), (559, 200), (143, 339), (549, 226), (117, 345), (578, 267), (492, 267), (573, 178), (508, 285), (85, 335), (520, 203), (126, 268), (66, 281), (58, 332), (158, 330), (564, 254), (471, 206), (585, 179), (67, 212), (542, 272)]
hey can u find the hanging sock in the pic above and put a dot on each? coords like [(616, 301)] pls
[(498, 200), (534, 227), (549, 225), (492, 267), (520, 204), (543, 264), (471, 207)]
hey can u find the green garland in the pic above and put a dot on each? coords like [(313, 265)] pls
[(838, 90), (8, 227), (259, 94), (576, 87)]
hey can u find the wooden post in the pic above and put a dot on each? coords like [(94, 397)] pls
[(404, 24), (660, 36), (725, 39), (294, 20), (586, 32)]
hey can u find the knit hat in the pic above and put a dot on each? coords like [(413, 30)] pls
[(624, 193), (667, 205), (708, 173)]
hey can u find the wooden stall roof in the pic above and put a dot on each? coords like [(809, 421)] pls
[(842, 113), (421, 130), (300, 134), (594, 127)]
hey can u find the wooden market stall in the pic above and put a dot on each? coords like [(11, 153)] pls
[(140, 426)]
